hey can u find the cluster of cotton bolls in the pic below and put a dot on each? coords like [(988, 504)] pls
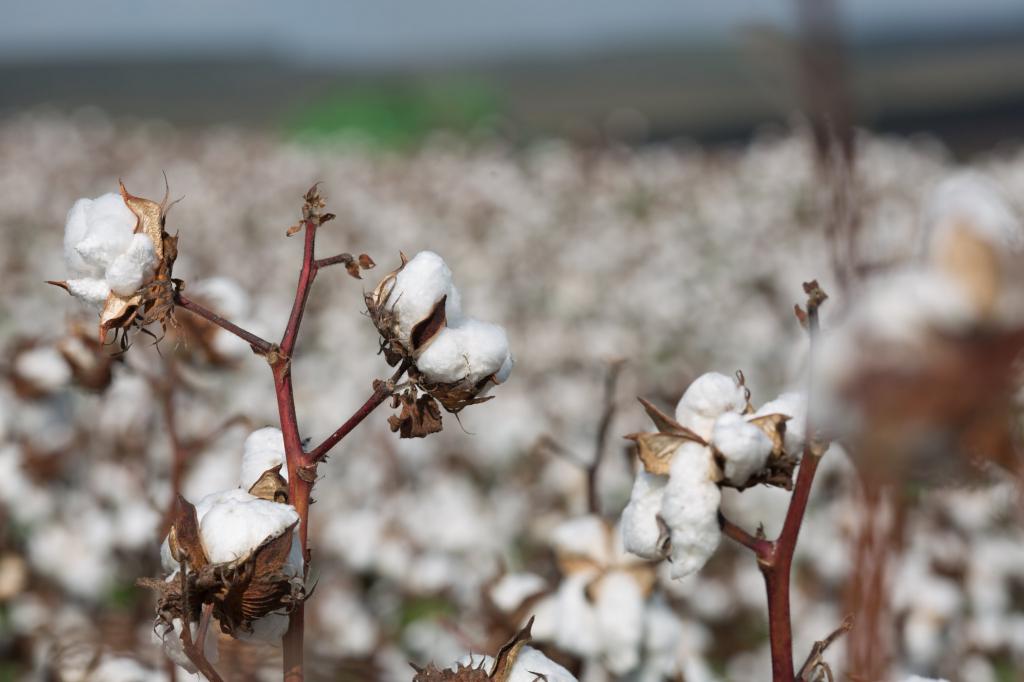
[(684, 502), (408, 536)]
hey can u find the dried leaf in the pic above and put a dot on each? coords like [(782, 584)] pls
[(326, 217), (419, 417), (365, 262), (426, 329), (150, 219), (656, 450), (271, 486), (352, 268), (184, 539), (667, 424), (507, 655), (294, 229), (774, 426)]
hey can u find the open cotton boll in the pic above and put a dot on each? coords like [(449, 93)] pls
[(690, 509), (269, 629), (706, 398), (468, 350), (234, 527), (744, 446), (96, 231), (133, 267), (170, 638), (418, 287), (576, 627), (620, 611), (641, 533), (263, 449)]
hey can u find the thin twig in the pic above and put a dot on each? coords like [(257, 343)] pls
[(259, 345), (607, 414), (380, 394), (760, 546), (815, 659)]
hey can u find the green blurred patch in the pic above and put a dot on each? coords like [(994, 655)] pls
[(396, 115), (425, 607)]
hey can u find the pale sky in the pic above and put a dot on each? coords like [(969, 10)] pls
[(389, 31)]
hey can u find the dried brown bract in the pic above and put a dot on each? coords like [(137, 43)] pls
[(500, 671)]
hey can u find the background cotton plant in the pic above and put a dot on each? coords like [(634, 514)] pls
[(725, 227)]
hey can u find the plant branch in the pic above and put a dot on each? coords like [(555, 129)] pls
[(341, 258), (610, 382), (306, 276), (758, 545), (381, 391), (261, 346)]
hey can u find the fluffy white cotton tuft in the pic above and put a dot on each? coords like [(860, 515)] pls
[(709, 396), (234, 527), (641, 532), (263, 450), (690, 509), (531, 665), (89, 290), (134, 266), (744, 446), (583, 536), (418, 287), (470, 350)]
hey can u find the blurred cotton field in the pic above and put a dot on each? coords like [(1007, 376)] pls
[(673, 259)]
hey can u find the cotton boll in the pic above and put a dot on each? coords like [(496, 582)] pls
[(641, 532), (263, 450), (75, 228), (794, 406), (44, 367), (744, 446), (503, 373), (577, 629), (620, 612), (712, 393), (133, 267), (709, 396), (690, 509), (233, 528), (444, 360), (418, 287)]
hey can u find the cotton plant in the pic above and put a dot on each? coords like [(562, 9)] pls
[(718, 439), (237, 560)]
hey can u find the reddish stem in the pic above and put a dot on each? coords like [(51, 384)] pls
[(775, 559), (301, 465)]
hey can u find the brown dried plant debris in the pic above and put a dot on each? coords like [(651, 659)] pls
[(500, 671), (240, 591)]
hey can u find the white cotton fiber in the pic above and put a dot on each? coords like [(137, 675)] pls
[(91, 291), (263, 450), (970, 200), (641, 531), (744, 446), (470, 350), (706, 398), (234, 527), (690, 509), (531, 665), (134, 266), (418, 287)]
